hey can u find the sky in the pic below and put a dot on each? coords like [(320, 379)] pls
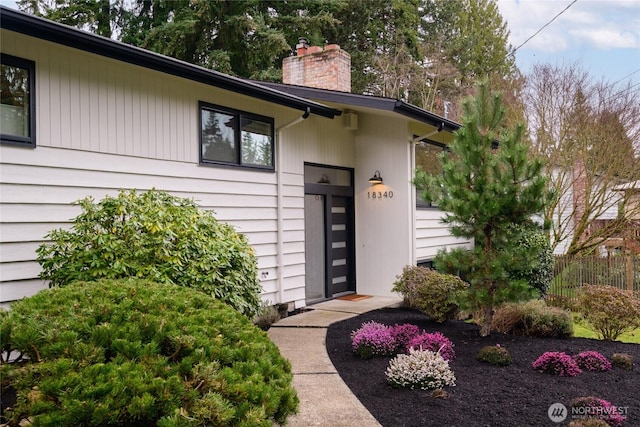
[(601, 36)]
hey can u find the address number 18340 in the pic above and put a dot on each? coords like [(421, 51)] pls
[(379, 194)]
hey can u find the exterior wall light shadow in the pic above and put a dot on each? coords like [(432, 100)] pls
[(376, 178), (324, 179)]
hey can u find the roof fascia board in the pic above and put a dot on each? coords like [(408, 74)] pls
[(61, 34), (369, 101)]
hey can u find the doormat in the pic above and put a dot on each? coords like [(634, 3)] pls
[(354, 297)]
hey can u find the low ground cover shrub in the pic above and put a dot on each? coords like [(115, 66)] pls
[(134, 353), (622, 360), (588, 422), (609, 310), (373, 339), (435, 294), (495, 355), (156, 236), (423, 369), (557, 363), (533, 318), (403, 334), (435, 341), (595, 408), (592, 361)]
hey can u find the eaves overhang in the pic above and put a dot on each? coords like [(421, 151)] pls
[(54, 32), (368, 101)]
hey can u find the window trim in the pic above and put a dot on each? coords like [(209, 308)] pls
[(16, 140), (239, 115), (420, 203)]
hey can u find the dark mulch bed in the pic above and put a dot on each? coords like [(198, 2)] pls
[(484, 395)]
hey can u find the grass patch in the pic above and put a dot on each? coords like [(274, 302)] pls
[(581, 329)]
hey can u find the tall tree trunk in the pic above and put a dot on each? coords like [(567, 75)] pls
[(486, 321)]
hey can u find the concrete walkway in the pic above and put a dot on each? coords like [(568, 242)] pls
[(325, 400)]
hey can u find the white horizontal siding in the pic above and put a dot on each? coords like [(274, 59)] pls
[(433, 236), (38, 186)]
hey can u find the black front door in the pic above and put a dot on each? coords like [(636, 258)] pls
[(329, 236)]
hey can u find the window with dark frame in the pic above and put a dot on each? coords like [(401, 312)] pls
[(17, 101), (427, 158), (235, 138)]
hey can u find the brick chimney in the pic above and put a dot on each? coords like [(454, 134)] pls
[(328, 68)]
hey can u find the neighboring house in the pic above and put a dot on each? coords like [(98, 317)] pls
[(287, 166)]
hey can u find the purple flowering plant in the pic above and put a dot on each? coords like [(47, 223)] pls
[(436, 342), (557, 363), (403, 334), (594, 407), (373, 339), (592, 361)]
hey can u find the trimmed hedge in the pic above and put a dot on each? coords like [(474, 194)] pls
[(135, 353)]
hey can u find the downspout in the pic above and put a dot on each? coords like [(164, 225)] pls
[(279, 202), (413, 209)]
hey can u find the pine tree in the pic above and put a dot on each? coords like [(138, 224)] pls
[(484, 190)]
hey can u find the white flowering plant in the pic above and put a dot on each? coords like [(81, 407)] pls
[(423, 369)]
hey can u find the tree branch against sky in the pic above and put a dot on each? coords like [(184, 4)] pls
[(586, 131)]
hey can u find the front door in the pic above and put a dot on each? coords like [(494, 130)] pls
[(329, 221)]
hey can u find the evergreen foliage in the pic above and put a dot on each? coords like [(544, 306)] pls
[(538, 272), (435, 294), (138, 353), (611, 311), (484, 190), (156, 236)]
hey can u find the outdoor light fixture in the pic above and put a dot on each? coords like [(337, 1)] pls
[(376, 178)]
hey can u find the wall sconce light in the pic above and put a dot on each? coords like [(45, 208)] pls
[(324, 179), (376, 178)]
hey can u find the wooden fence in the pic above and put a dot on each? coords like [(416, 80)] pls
[(571, 272)]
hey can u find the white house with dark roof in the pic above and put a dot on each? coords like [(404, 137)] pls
[(287, 165)]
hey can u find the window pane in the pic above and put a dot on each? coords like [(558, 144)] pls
[(427, 158), (218, 137), (14, 101), (257, 137)]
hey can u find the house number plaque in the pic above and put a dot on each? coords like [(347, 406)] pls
[(379, 194)]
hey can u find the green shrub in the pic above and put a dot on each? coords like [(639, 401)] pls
[(533, 318), (267, 315), (538, 273), (156, 236), (609, 310), (495, 355), (622, 360), (135, 353), (433, 293)]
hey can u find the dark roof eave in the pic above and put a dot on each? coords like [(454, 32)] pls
[(61, 34), (368, 101)]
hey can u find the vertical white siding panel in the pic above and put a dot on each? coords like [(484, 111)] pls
[(127, 109), (85, 83), (65, 100), (43, 97), (111, 106), (136, 115), (54, 107), (103, 104), (120, 122), (75, 120), (94, 105)]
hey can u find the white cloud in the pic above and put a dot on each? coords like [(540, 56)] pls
[(597, 24)]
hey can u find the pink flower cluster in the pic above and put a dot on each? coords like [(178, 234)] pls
[(433, 342), (557, 363), (594, 407), (592, 361), (376, 339)]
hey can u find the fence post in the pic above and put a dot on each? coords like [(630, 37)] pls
[(629, 273)]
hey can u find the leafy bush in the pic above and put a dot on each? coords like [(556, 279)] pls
[(421, 369), (132, 352), (267, 315), (373, 339), (435, 342), (609, 310), (533, 318), (592, 361), (495, 355), (539, 272), (596, 408), (557, 363), (156, 236), (433, 293), (622, 360)]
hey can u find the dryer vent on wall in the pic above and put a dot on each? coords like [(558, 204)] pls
[(350, 121)]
